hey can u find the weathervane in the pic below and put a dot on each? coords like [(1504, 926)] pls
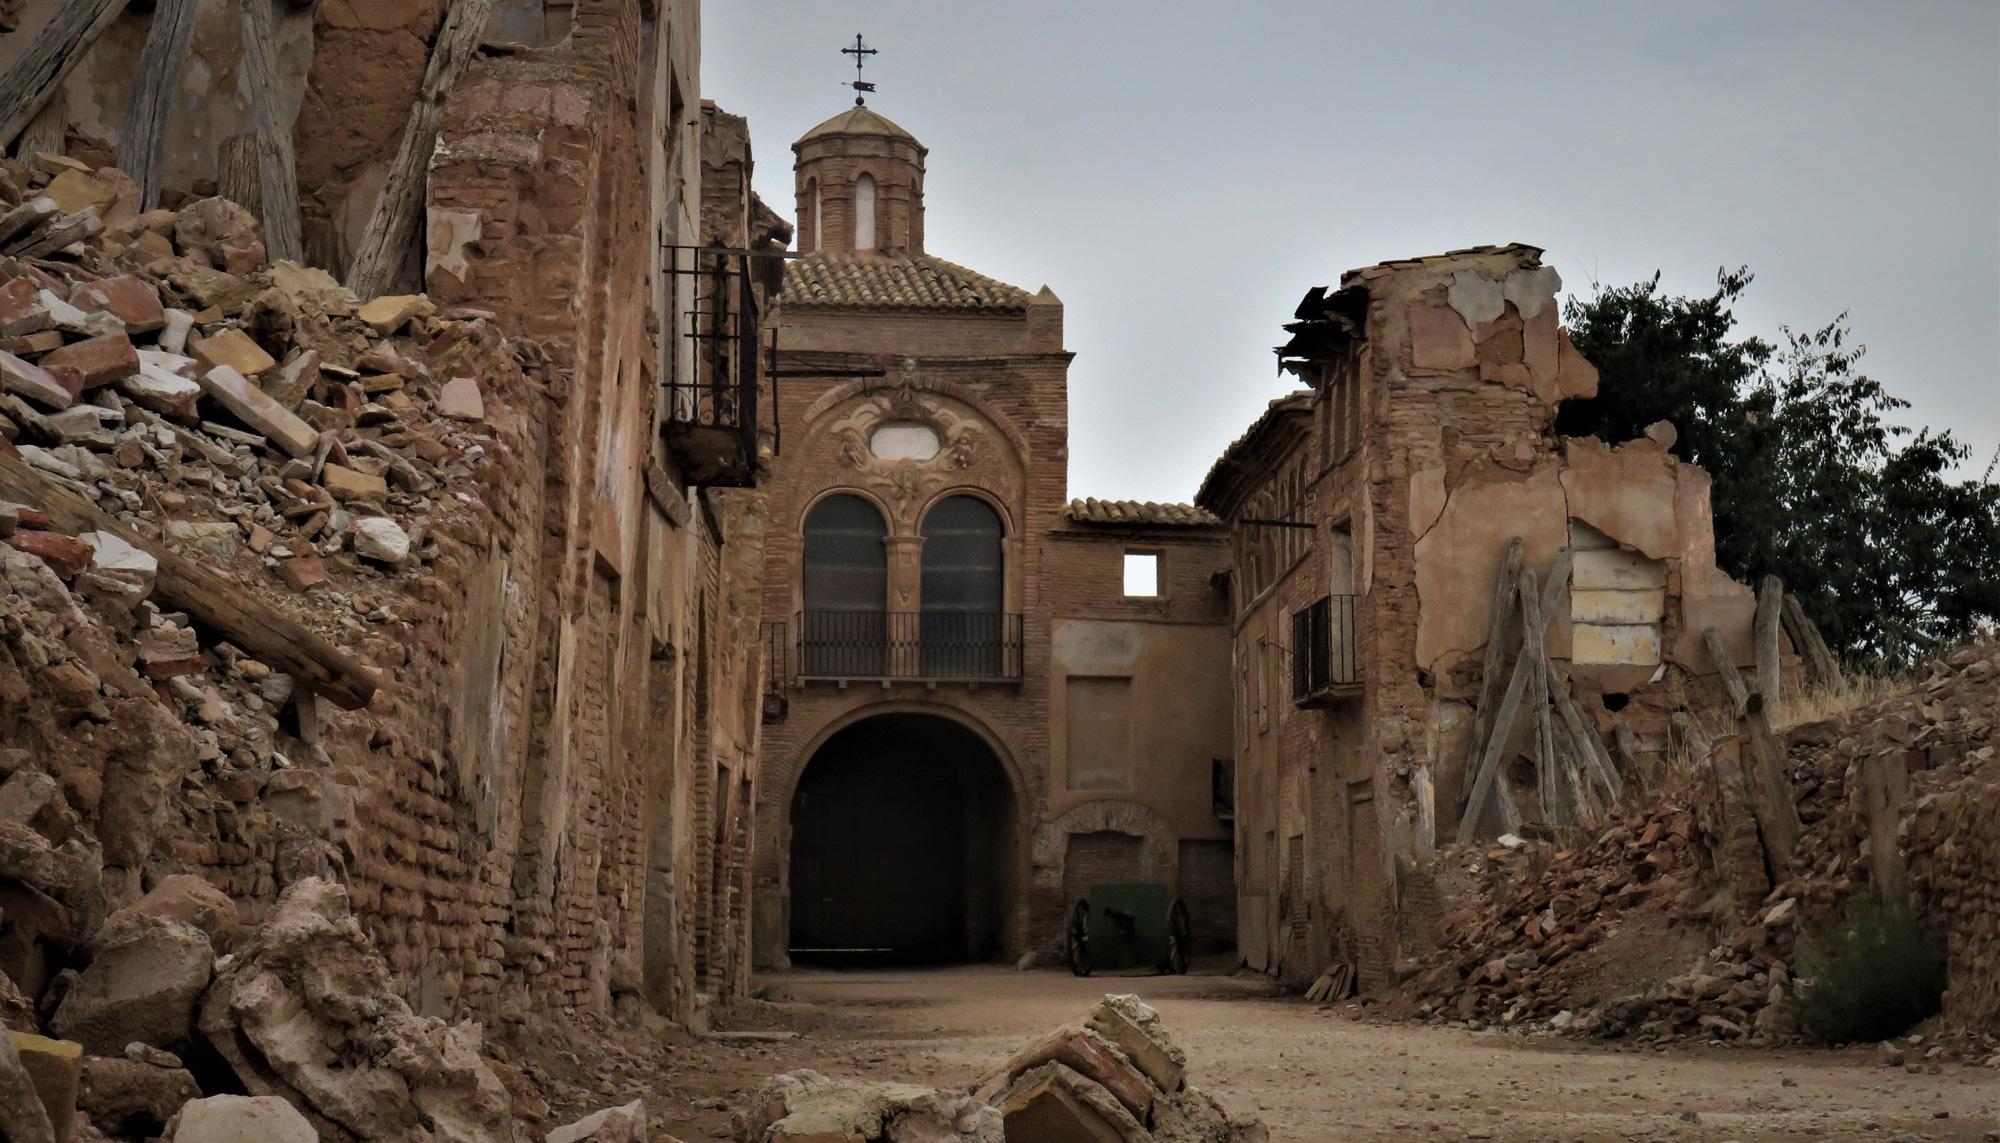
[(860, 52)]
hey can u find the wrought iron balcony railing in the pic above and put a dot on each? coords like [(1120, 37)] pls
[(919, 646), (1323, 660), (710, 415)]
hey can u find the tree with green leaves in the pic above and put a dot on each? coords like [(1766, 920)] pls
[(1888, 551)]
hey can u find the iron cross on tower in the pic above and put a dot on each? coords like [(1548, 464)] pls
[(860, 52)]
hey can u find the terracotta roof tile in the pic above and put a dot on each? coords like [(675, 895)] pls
[(1132, 513), (915, 282)]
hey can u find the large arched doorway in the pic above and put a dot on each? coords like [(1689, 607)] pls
[(903, 846)]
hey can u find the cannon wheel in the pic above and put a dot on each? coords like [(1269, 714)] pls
[(1180, 934), (1076, 939)]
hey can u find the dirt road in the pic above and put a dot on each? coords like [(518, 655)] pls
[(1317, 1075)]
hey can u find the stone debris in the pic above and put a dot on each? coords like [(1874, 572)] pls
[(140, 371), (1115, 1076), (306, 1009), (626, 1124), (240, 1119), (1688, 859)]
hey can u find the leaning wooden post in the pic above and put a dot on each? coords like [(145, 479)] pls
[(1770, 789), (1534, 652), (153, 88), (38, 73), (1822, 669), (1498, 623), (1770, 605), (1886, 783), (391, 232), (276, 167)]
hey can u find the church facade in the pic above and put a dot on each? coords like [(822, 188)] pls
[(973, 711)]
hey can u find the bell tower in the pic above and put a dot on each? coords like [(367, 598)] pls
[(860, 181)]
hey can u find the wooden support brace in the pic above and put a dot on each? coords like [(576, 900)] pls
[(1488, 768), (38, 73), (218, 604), (1822, 669), (391, 234), (153, 88), (1741, 699), (276, 166), (1886, 784), (1770, 603), (1595, 756), (1499, 623), (1555, 809)]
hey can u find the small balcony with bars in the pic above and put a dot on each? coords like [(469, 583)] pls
[(1325, 670), (709, 406), (891, 647)]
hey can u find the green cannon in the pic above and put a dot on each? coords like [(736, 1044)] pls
[(1126, 926)]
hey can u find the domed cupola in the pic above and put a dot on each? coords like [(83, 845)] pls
[(861, 187)]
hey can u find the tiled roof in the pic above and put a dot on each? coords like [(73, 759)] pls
[(1131, 513), (1230, 464), (910, 282), (858, 121)]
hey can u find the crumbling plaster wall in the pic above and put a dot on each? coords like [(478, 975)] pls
[(1428, 439)]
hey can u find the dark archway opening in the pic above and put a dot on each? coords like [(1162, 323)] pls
[(903, 846)]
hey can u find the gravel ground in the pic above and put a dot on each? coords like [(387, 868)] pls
[(1324, 1074)]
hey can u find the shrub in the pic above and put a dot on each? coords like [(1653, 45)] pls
[(1871, 976)]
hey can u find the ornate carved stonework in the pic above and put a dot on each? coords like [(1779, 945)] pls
[(961, 441)]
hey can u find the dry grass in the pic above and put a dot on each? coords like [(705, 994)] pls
[(1853, 691)]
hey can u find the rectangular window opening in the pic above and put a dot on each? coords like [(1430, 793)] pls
[(1142, 575)]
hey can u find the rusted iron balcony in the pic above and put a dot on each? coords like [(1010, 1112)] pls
[(904, 646), (1324, 669), (709, 419)]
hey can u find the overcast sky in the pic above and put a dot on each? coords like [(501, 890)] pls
[(1181, 173)]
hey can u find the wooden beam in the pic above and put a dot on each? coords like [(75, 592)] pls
[(1496, 744), (1740, 698), (1499, 623), (225, 607), (1556, 585), (1885, 784), (277, 170), (1592, 747), (47, 131), (153, 87), (1770, 603), (1777, 809), (38, 73), (391, 233), (1822, 669), (1534, 652)]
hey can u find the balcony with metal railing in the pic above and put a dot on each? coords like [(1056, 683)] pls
[(892, 646), (709, 417), (1324, 667)]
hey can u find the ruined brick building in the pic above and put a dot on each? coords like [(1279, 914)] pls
[(972, 716), (1371, 515), (547, 801)]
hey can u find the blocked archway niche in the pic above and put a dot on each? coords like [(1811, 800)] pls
[(902, 846), (1158, 857)]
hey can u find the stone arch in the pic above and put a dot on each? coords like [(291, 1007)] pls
[(781, 780), (1008, 528), (785, 780), (855, 490)]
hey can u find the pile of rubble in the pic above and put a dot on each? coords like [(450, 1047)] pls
[(201, 455), (1683, 877), (1113, 1077)]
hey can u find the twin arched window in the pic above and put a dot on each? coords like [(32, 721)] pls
[(848, 628)]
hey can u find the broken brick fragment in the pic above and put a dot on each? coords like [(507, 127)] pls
[(67, 556)]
